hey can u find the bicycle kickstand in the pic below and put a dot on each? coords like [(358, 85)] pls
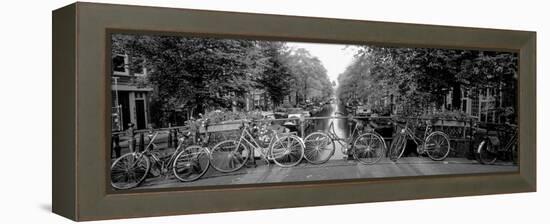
[(252, 161)]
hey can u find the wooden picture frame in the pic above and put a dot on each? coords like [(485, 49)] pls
[(81, 95)]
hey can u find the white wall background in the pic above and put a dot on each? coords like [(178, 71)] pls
[(25, 125)]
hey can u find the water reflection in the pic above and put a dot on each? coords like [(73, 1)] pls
[(340, 125)]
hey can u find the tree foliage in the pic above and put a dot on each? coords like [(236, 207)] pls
[(277, 77), (310, 76), (419, 78), (198, 74)]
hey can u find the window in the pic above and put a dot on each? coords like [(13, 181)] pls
[(120, 64), (140, 95), (139, 68), (475, 105)]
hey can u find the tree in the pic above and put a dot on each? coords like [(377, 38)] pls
[(194, 73), (310, 76), (276, 77), (420, 77)]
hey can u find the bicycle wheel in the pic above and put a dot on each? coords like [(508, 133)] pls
[(129, 171), (368, 148), (397, 146), (437, 145), (319, 147), (287, 151), (485, 154), (228, 156), (191, 163)]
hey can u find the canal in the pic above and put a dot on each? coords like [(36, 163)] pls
[(336, 112)]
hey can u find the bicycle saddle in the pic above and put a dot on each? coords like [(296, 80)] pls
[(186, 133), (277, 128)]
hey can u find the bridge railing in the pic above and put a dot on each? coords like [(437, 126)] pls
[(460, 131)]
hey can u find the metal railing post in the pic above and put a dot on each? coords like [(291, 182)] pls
[(169, 138), (470, 145), (175, 138), (141, 142), (302, 126), (116, 141)]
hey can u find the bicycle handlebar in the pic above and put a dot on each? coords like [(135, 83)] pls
[(354, 119), (158, 132)]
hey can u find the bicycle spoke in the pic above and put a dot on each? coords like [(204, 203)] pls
[(119, 165), (128, 171), (231, 163), (370, 141), (295, 143), (437, 146), (367, 151), (313, 153), (440, 141), (288, 157), (118, 175), (131, 176), (295, 155), (287, 141)]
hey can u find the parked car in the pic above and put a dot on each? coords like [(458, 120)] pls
[(296, 113), (268, 115), (362, 111)]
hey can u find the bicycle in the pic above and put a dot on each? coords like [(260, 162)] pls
[(195, 159), (488, 150), (192, 154), (131, 169), (367, 148), (286, 150), (435, 144)]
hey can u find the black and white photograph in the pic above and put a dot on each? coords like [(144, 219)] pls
[(193, 111)]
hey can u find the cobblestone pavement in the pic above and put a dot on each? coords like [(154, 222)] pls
[(335, 170)]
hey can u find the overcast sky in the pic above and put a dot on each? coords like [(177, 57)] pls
[(335, 57)]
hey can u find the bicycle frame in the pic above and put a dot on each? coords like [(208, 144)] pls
[(163, 164), (510, 143), (513, 141), (420, 142), (156, 164), (410, 133), (252, 143), (509, 151), (341, 140)]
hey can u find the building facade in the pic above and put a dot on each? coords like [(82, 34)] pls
[(482, 103), (130, 101)]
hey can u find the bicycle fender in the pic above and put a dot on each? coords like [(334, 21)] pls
[(480, 146)]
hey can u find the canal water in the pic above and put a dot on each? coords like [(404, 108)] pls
[(340, 126)]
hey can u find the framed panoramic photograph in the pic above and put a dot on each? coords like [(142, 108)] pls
[(202, 111)]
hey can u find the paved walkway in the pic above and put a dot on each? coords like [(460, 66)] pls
[(334, 170)]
